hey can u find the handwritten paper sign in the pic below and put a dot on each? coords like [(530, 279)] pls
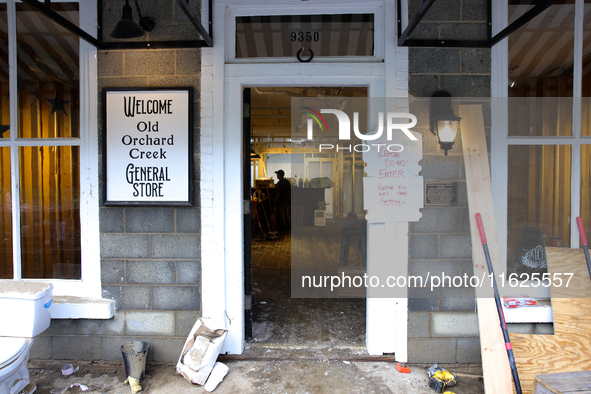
[(148, 146), (393, 190)]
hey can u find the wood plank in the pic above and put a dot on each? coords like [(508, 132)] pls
[(569, 349), (566, 382), (495, 364)]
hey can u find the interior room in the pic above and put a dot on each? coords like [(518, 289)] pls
[(326, 206)]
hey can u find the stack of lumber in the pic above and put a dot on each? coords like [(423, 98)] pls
[(569, 349)]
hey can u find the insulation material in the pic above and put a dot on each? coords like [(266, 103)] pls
[(202, 347)]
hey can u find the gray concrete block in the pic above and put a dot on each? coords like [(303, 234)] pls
[(183, 298), (463, 31), (150, 63), (431, 350), (188, 220), (476, 61), (175, 246), (123, 82), (185, 322), (112, 271), (457, 299), (462, 192), (128, 296), (434, 60), (422, 246), (466, 85), (185, 32), (474, 10), (418, 325), (150, 323), (467, 267), (167, 349), (440, 167), (161, 11), (421, 299), (125, 246), (429, 268), (454, 324), (544, 329), (465, 226), (111, 220), (188, 272), (426, 31), (438, 220), (149, 220), (110, 63), (445, 11), (41, 349), (420, 107), (468, 351), (175, 80), (77, 347), (456, 246), (113, 326), (150, 272), (423, 85), (112, 347), (111, 13), (521, 328), (188, 62)]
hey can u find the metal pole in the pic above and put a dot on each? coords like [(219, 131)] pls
[(508, 345)]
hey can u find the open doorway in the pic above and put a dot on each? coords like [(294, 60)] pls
[(326, 197)]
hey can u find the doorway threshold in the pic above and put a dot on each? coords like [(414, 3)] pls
[(267, 352)]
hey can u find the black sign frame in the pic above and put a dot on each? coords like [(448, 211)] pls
[(188, 199)]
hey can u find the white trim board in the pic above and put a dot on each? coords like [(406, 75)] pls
[(221, 164)]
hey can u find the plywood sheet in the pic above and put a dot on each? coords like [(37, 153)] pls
[(569, 349), (495, 363)]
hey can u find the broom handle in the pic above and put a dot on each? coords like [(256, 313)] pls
[(584, 242), (508, 345)]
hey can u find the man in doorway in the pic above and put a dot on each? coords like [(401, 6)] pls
[(282, 201)]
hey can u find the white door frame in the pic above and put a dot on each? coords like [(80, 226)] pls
[(221, 170)]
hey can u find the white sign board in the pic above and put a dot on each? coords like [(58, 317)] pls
[(393, 188), (148, 146)]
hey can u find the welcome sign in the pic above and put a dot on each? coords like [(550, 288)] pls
[(148, 146)]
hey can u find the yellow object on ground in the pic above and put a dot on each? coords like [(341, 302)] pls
[(134, 383)]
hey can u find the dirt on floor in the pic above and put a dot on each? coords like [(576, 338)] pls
[(329, 374)]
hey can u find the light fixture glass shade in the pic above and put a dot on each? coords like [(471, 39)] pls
[(444, 122), (126, 27), (447, 130)]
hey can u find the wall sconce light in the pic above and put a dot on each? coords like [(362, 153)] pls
[(444, 122), (127, 28)]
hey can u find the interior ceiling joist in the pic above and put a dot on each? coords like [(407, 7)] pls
[(206, 35), (489, 42)]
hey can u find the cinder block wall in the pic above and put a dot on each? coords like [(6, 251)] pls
[(150, 257), (443, 326)]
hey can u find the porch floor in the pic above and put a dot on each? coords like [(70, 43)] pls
[(302, 374)]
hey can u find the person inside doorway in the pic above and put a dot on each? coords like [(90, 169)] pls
[(282, 201)]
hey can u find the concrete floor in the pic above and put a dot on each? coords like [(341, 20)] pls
[(292, 375)]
